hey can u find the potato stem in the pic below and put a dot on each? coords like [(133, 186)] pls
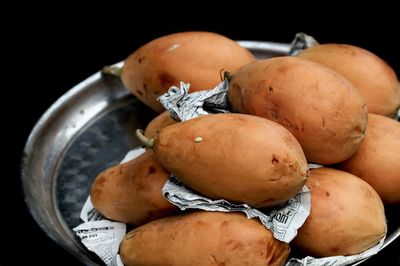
[(146, 142), (112, 70), (227, 76)]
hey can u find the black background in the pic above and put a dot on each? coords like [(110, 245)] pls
[(48, 47)]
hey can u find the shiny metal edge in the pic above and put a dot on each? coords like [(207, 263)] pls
[(64, 238), (276, 47), (391, 238), (31, 148)]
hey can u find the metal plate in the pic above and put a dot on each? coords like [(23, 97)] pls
[(87, 130)]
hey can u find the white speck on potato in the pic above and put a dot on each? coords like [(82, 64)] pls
[(173, 47), (198, 139)]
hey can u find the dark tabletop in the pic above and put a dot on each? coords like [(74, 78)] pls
[(46, 48)]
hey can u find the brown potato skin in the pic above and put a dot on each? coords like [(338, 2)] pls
[(131, 192), (203, 238), (324, 111), (162, 120), (347, 216), (374, 78), (193, 57), (241, 158), (378, 159)]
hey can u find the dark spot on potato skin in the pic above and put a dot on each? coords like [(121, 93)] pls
[(201, 223), (270, 89), (327, 193), (122, 169), (141, 59), (140, 92), (166, 80), (145, 87), (274, 160), (152, 170), (334, 250)]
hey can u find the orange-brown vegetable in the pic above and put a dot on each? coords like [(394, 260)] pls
[(237, 157), (378, 159), (131, 192), (203, 238), (324, 111), (193, 57), (347, 216), (375, 79)]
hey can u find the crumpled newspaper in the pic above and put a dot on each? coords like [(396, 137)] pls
[(301, 41), (103, 238), (183, 105)]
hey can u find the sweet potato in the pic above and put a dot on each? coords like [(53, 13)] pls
[(131, 192), (193, 57), (324, 111), (241, 158), (162, 120), (375, 79), (378, 159), (203, 238), (347, 216)]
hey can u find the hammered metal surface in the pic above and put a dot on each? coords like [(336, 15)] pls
[(99, 146)]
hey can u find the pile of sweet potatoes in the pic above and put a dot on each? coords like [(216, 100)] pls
[(331, 104)]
